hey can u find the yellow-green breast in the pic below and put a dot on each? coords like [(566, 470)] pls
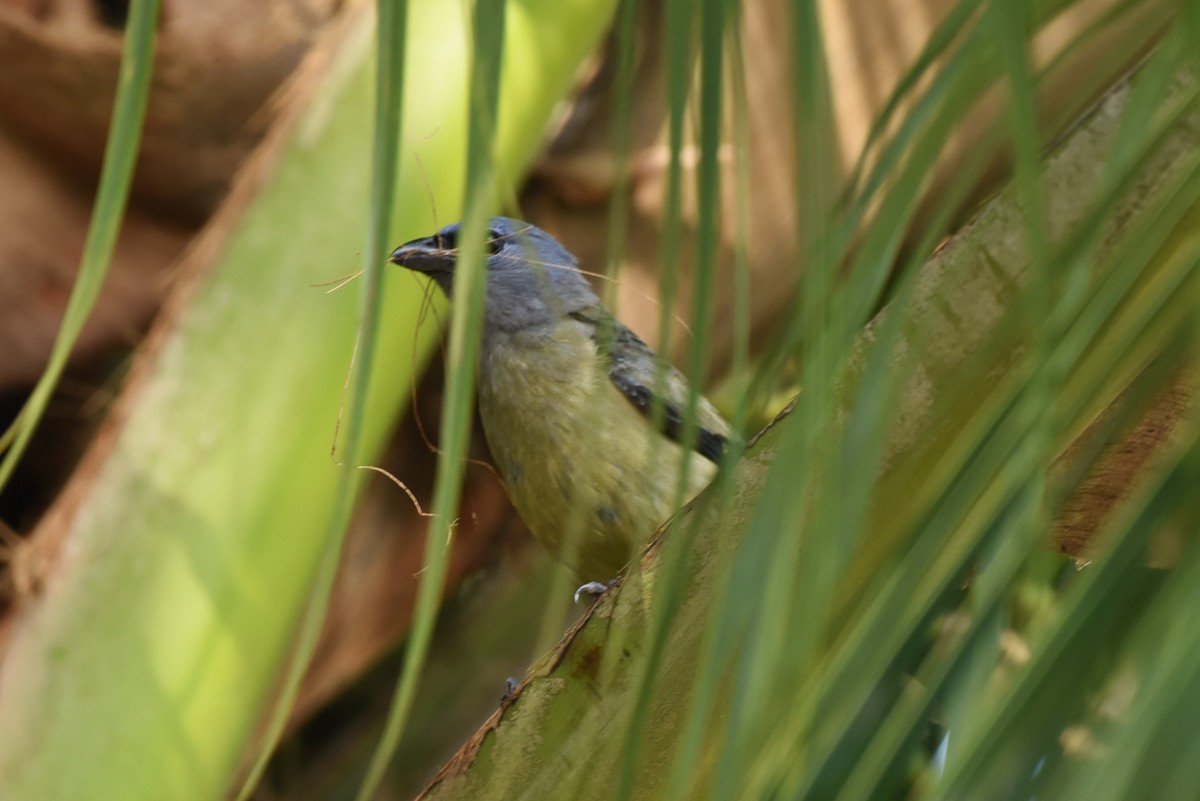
[(584, 468)]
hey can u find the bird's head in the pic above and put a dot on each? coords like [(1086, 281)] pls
[(532, 280)]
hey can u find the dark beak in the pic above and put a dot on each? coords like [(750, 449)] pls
[(424, 256)]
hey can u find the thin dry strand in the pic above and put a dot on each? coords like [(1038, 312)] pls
[(411, 496), (337, 283), (337, 426), (427, 307), (428, 189)]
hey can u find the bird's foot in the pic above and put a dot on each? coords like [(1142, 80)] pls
[(593, 589)]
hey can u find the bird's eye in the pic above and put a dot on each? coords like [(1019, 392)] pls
[(494, 242), (444, 240)]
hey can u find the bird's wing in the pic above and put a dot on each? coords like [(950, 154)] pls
[(638, 372)]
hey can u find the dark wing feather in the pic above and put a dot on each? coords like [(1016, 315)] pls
[(635, 369)]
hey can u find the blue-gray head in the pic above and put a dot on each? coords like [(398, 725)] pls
[(532, 280)]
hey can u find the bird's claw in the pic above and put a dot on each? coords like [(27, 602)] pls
[(592, 588), (510, 687)]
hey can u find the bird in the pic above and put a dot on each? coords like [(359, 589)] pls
[(584, 421)]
